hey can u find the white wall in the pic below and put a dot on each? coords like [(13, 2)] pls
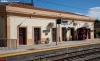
[(79, 25), (2, 27), (15, 21), (29, 22)]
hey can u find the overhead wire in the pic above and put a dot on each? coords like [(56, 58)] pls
[(61, 5)]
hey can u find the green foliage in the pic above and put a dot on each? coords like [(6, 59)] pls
[(96, 21), (95, 32), (98, 33)]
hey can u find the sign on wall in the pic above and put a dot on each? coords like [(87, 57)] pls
[(64, 22), (46, 31)]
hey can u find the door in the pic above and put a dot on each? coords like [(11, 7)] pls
[(85, 34), (80, 33), (95, 34), (22, 36), (37, 34), (54, 34), (89, 33), (72, 33), (64, 34), (3, 43)]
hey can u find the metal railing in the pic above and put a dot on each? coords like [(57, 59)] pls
[(8, 43)]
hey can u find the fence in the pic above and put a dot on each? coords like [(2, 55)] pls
[(8, 43)]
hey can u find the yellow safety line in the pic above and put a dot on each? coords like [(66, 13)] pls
[(83, 44), (45, 49)]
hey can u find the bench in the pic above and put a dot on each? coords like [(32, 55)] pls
[(46, 42)]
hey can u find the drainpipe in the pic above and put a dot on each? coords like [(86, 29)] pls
[(56, 33)]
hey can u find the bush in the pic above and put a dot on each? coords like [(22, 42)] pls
[(98, 33)]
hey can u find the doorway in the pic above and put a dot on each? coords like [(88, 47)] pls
[(89, 34), (64, 31), (72, 33), (53, 34), (37, 34), (82, 33), (22, 36), (95, 34)]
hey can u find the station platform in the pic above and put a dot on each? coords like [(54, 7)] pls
[(26, 49)]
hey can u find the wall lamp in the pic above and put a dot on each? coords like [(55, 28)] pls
[(75, 23), (92, 24), (69, 28)]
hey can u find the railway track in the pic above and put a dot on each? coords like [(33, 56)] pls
[(89, 52)]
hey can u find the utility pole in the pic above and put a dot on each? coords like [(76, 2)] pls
[(56, 33), (58, 22), (32, 2)]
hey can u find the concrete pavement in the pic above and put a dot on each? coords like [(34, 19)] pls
[(22, 48)]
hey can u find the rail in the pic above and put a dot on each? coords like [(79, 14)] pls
[(8, 43), (86, 52)]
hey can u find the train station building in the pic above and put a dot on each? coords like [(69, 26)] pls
[(29, 24)]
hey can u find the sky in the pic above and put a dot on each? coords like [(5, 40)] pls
[(83, 7)]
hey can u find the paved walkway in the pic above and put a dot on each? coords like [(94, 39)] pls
[(50, 45)]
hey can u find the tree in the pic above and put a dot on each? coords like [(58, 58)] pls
[(96, 21)]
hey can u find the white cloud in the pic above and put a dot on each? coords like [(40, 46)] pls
[(9, 1), (94, 12), (4, 1), (79, 13)]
